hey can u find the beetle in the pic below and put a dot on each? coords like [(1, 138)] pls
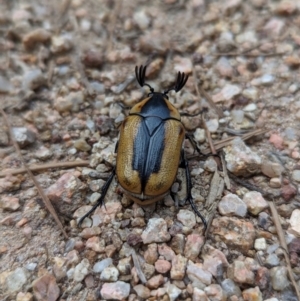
[(150, 149)]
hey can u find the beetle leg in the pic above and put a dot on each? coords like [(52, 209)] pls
[(193, 142), (101, 199), (184, 164)]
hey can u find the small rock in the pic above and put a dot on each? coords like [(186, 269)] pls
[(156, 231), (141, 19), (33, 79), (230, 288), (250, 93), (9, 203), (178, 267), (45, 288), (101, 265), (212, 125), (262, 278), (92, 59), (142, 291), (153, 42), (23, 136), (124, 266), (252, 294), (16, 279), (177, 243), (82, 145), (199, 295), (187, 218), (240, 160), (250, 107), (286, 7), (295, 223), (183, 64), (35, 37), (235, 233), (173, 291), (5, 85), (276, 140), (199, 135), (231, 204), (274, 27), (148, 270), (210, 164), (195, 271), (296, 175), (165, 251), (260, 244), (279, 278), (162, 266), (96, 244), (155, 281), (151, 254), (110, 274), (24, 297), (193, 245), (43, 153), (272, 260), (288, 192), (271, 169), (60, 44), (227, 93), (255, 202), (117, 291), (240, 273), (223, 65), (215, 292), (81, 270)]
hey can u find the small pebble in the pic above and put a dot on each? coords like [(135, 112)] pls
[(295, 222), (260, 244), (279, 278), (187, 218), (16, 279), (231, 288), (23, 136), (252, 294), (231, 204), (156, 231), (101, 265), (81, 270), (272, 260), (117, 291), (142, 291), (255, 202), (109, 274), (296, 175)]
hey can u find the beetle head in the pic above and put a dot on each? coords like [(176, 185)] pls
[(140, 73)]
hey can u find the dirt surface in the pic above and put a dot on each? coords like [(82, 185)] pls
[(66, 80)]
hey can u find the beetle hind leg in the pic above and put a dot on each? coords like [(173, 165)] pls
[(184, 164), (100, 201)]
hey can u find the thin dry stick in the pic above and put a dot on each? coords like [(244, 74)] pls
[(283, 245), (35, 167), (210, 142), (220, 144), (250, 54), (47, 202), (226, 178), (112, 25), (206, 95)]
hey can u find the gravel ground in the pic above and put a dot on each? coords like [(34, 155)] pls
[(66, 67)]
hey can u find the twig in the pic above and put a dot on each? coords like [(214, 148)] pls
[(249, 54), (220, 144), (35, 167), (284, 246), (137, 266), (210, 142), (46, 201), (112, 24), (226, 178)]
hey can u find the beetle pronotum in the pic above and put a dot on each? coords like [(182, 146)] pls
[(150, 149)]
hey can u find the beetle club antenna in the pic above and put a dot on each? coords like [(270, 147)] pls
[(180, 82), (140, 74)]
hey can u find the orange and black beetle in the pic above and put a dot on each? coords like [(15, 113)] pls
[(150, 149)]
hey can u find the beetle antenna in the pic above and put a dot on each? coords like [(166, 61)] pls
[(180, 82), (140, 74)]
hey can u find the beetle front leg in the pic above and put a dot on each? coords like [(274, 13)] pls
[(101, 199), (184, 164)]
